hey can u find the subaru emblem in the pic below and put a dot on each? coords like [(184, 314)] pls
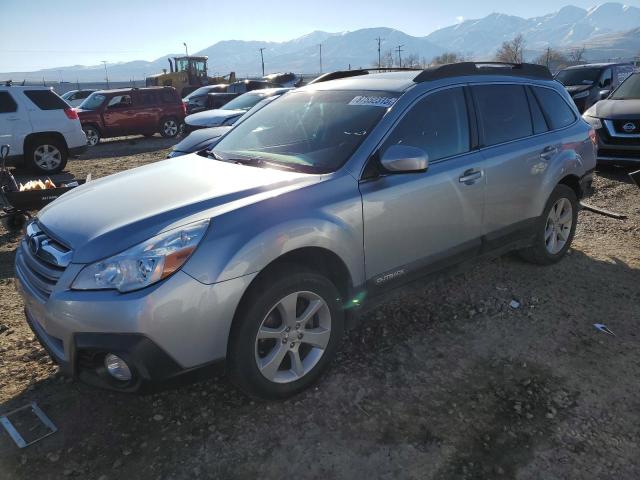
[(629, 127)]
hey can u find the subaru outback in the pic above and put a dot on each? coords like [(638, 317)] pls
[(257, 254)]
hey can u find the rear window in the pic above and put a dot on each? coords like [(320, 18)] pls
[(504, 113), (559, 113), (167, 97), (46, 100), (7, 103)]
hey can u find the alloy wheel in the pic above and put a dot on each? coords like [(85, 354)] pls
[(170, 128), (92, 137), (558, 226), (293, 337), (47, 157)]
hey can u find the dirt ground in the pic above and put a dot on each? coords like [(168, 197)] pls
[(445, 380)]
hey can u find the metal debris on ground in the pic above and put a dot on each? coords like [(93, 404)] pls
[(514, 304), (602, 211), (635, 176), (21, 440), (604, 329)]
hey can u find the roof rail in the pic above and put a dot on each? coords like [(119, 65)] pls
[(354, 73), (484, 68)]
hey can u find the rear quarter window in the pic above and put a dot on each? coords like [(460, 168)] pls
[(504, 113), (7, 103), (167, 97), (559, 114), (46, 100)]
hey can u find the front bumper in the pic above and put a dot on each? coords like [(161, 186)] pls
[(172, 328), (617, 149)]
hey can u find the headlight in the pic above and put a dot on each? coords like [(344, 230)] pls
[(595, 123), (144, 264), (580, 95)]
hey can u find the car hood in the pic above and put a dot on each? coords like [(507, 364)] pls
[(200, 138), (616, 109), (573, 89), (212, 118), (109, 215)]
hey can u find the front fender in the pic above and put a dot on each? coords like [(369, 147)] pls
[(244, 241)]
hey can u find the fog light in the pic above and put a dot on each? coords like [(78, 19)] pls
[(117, 367)]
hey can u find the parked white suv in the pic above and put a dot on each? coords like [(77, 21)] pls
[(41, 128)]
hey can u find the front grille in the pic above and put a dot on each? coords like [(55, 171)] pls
[(619, 125), (40, 263), (621, 154)]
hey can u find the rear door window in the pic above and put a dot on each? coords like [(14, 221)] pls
[(46, 100), (504, 113), (438, 124), (559, 114), (167, 97), (147, 99), (7, 103)]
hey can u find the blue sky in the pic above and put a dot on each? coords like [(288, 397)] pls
[(44, 33)]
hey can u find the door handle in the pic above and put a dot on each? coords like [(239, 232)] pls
[(548, 152), (470, 176)]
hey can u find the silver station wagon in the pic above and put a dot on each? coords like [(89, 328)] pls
[(257, 254)]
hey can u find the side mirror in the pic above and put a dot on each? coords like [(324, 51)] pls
[(4, 151), (404, 159), (604, 94)]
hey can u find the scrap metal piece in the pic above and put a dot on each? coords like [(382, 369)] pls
[(16, 436), (604, 329), (635, 176), (602, 211)]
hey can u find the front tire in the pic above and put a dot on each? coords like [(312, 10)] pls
[(555, 229), (47, 155), (285, 333), (92, 134)]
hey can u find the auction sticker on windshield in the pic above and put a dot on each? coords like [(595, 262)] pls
[(364, 100)]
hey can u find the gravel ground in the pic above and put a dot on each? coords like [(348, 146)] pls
[(444, 380)]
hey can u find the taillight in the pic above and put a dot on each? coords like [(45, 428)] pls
[(184, 108), (71, 113), (593, 136)]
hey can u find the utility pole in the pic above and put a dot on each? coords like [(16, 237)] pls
[(262, 59), (186, 51), (400, 55), (106, 75), (379, 54), (320, 45)]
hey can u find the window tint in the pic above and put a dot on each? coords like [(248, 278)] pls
[(148, 98), (167, 97), (503, 111), (438, 124), (559, 114), (7, 103), (46, 99), (81, 95), (539, 123)]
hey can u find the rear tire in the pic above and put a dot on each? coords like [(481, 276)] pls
[(275, 352), (169, 127), (47, 155), (555, 229)]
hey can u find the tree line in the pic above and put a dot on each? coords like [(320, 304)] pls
[(511, 51)]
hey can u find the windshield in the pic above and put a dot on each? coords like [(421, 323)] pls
[(200, 91), (92, 102), (68, 94), (630, 89), (313, 132), (244, 102), (578, 76)]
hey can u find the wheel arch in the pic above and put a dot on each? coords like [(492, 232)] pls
[(31, 138), (572, 181)]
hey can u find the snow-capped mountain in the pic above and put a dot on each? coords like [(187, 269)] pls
[(609, 30)]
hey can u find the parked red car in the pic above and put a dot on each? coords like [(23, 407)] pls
[(131, 111)]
